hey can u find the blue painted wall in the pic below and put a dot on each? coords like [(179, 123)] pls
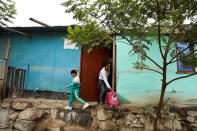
[(47, 63), (143, 87)]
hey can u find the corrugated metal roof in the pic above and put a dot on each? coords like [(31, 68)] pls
[(38, 29)]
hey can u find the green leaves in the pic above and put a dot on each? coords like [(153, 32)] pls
[(139, 65), (89, 36), (7, 12), (134, 21)]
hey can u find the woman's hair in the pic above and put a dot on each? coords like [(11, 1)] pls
[(74, 71), (106, 63)]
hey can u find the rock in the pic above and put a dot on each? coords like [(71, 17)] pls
[(30, 114), (172, 114), (4, 120), (177, 125), (168, 125), (120, 122), (131, 129), (129, 119), (190, 119), (53, 129), (194, 125), (124, 129), (61, 115), (74, 128), (194, 129), (13, 116), (95, 123), (148, 125), (103, 115), (6, 104), (93, 112), (42, 123), (70, 116), (107, 126), (47, 111), (20, 106), (12, 111), (24, 125), (127, 122), (137, 123), (161, 123), (50, 105), (78, 117), (93, 129), (56, 123), (9, 129), (53, 113), (192, 113)]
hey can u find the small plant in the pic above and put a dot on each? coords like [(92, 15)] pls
[(150, 110)]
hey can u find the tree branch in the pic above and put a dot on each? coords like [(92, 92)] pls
[(159, 35), (181, 78), (153, 70), (154, 62), (182, 57), (177, 55)]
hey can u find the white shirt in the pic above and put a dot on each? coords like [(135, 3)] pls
[(76, 79), (104, 76)]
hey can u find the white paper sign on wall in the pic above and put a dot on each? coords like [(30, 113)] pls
[(69, 45)]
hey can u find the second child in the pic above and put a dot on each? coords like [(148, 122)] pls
[(75, 89)]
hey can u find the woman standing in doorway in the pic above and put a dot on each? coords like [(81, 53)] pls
[(103, 82)]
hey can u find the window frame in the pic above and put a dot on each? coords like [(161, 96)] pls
[(183, 71)]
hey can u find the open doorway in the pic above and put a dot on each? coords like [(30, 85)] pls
[(91, 64)]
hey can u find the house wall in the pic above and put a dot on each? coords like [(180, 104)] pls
[(143, 87), (47, 63)]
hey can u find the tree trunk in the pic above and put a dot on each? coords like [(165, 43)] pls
[(160, 104), (158, 111)]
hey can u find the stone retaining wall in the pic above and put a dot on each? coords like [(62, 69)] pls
[(28, 116)]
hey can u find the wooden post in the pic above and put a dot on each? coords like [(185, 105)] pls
[(6, 69), (12, 82), (114, 64), (20, 82), (39, 22), (16, 80), (8, 82), (23, 84)]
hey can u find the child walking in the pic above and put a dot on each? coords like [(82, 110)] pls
[(75, 89)]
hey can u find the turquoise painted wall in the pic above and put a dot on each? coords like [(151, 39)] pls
[(143, 87), (47, 63)]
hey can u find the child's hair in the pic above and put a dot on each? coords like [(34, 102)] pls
[(74, 71), (106, 63)]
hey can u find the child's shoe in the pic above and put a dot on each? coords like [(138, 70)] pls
[(68, 108), (85, 106)]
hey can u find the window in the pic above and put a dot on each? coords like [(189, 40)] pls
[(69, 45), (180, 67)]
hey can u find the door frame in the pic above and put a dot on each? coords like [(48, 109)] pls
[(113, 63)]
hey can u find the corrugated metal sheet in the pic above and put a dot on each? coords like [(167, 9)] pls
[(39, 29)]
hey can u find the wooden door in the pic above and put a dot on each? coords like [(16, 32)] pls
[(91, 64), (4, 57)]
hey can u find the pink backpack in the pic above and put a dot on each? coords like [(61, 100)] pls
[(112, 99)]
